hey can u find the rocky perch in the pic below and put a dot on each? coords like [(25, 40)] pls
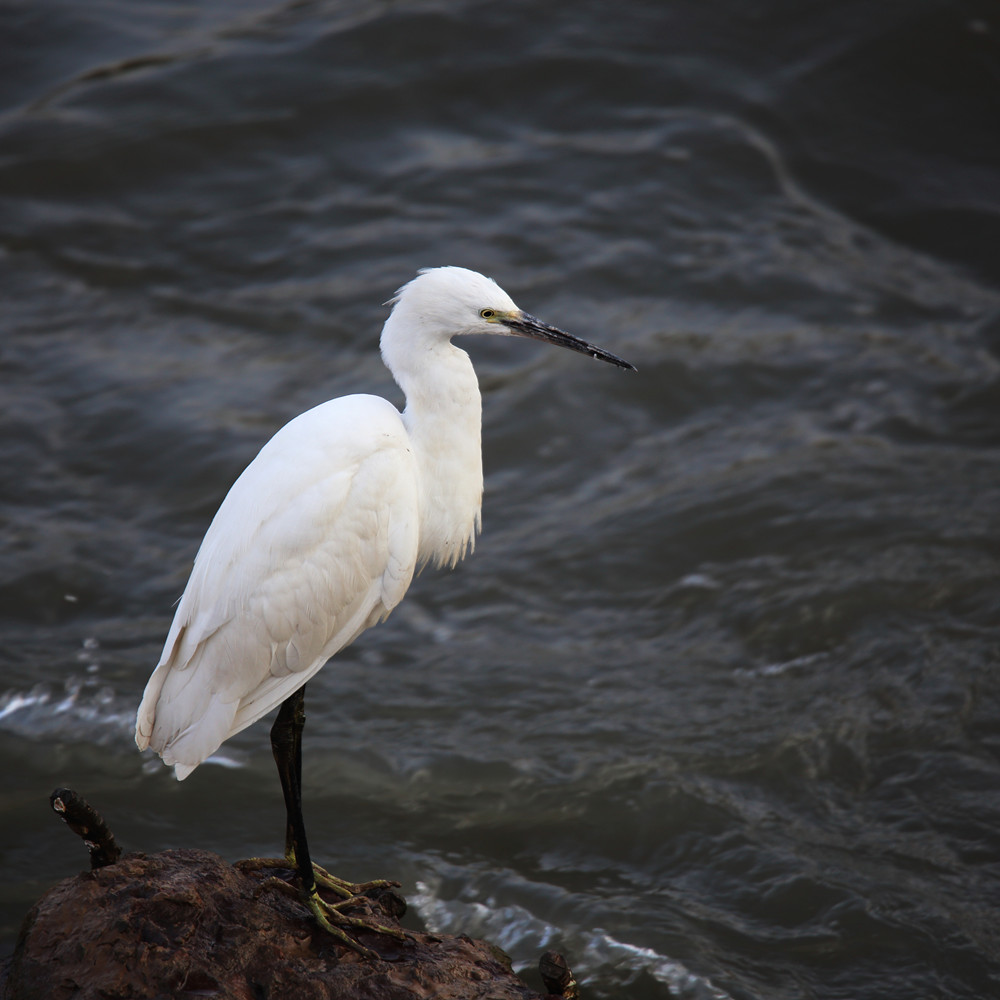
[(185, 923)]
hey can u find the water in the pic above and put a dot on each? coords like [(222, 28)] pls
[(713, 707)]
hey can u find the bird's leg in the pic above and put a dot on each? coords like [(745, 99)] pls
[(286, 746)]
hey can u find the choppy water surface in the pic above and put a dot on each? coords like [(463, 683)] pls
[(713, 707)]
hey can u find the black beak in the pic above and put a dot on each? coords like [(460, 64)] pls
[(524, 325)]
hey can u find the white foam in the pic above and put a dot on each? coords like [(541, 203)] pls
[(84, 709), (525, 936), (506, 926), (603, 950)]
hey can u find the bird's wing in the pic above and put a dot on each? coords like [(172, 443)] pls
[(315, 542)]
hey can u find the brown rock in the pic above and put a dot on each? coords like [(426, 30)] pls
[(187, 924)]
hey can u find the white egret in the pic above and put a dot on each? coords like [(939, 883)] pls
[(319, 538)]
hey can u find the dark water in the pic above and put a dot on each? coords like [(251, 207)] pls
[(714, 706)]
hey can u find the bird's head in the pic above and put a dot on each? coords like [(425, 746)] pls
[(445, 302)]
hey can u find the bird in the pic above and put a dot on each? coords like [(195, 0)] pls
[(318, 540)]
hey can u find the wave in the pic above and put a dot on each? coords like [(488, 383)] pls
[(591, 954)]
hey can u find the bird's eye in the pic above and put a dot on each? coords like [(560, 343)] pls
[(487, 313)]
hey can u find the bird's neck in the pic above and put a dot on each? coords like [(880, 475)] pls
[(443, 417)]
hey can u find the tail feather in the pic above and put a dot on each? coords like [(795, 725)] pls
[(184, 749)]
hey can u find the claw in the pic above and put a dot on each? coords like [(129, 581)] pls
[(319, 909), (329, 915), (349, 889)]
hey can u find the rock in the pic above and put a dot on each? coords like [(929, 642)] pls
[(185, 923)]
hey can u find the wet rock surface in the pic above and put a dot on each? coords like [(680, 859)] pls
[(185, 923)]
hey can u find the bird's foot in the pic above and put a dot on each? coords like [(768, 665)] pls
[(330, 916), (343, 888), (348, 890), (334, 921)]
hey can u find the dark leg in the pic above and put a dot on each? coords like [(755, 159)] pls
[(286, 745)]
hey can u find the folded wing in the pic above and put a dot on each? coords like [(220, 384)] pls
[(314, 543)]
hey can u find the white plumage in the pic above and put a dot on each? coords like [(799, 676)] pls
[(275, 591), (320, 536)]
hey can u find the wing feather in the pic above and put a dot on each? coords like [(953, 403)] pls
[(314, 543)]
